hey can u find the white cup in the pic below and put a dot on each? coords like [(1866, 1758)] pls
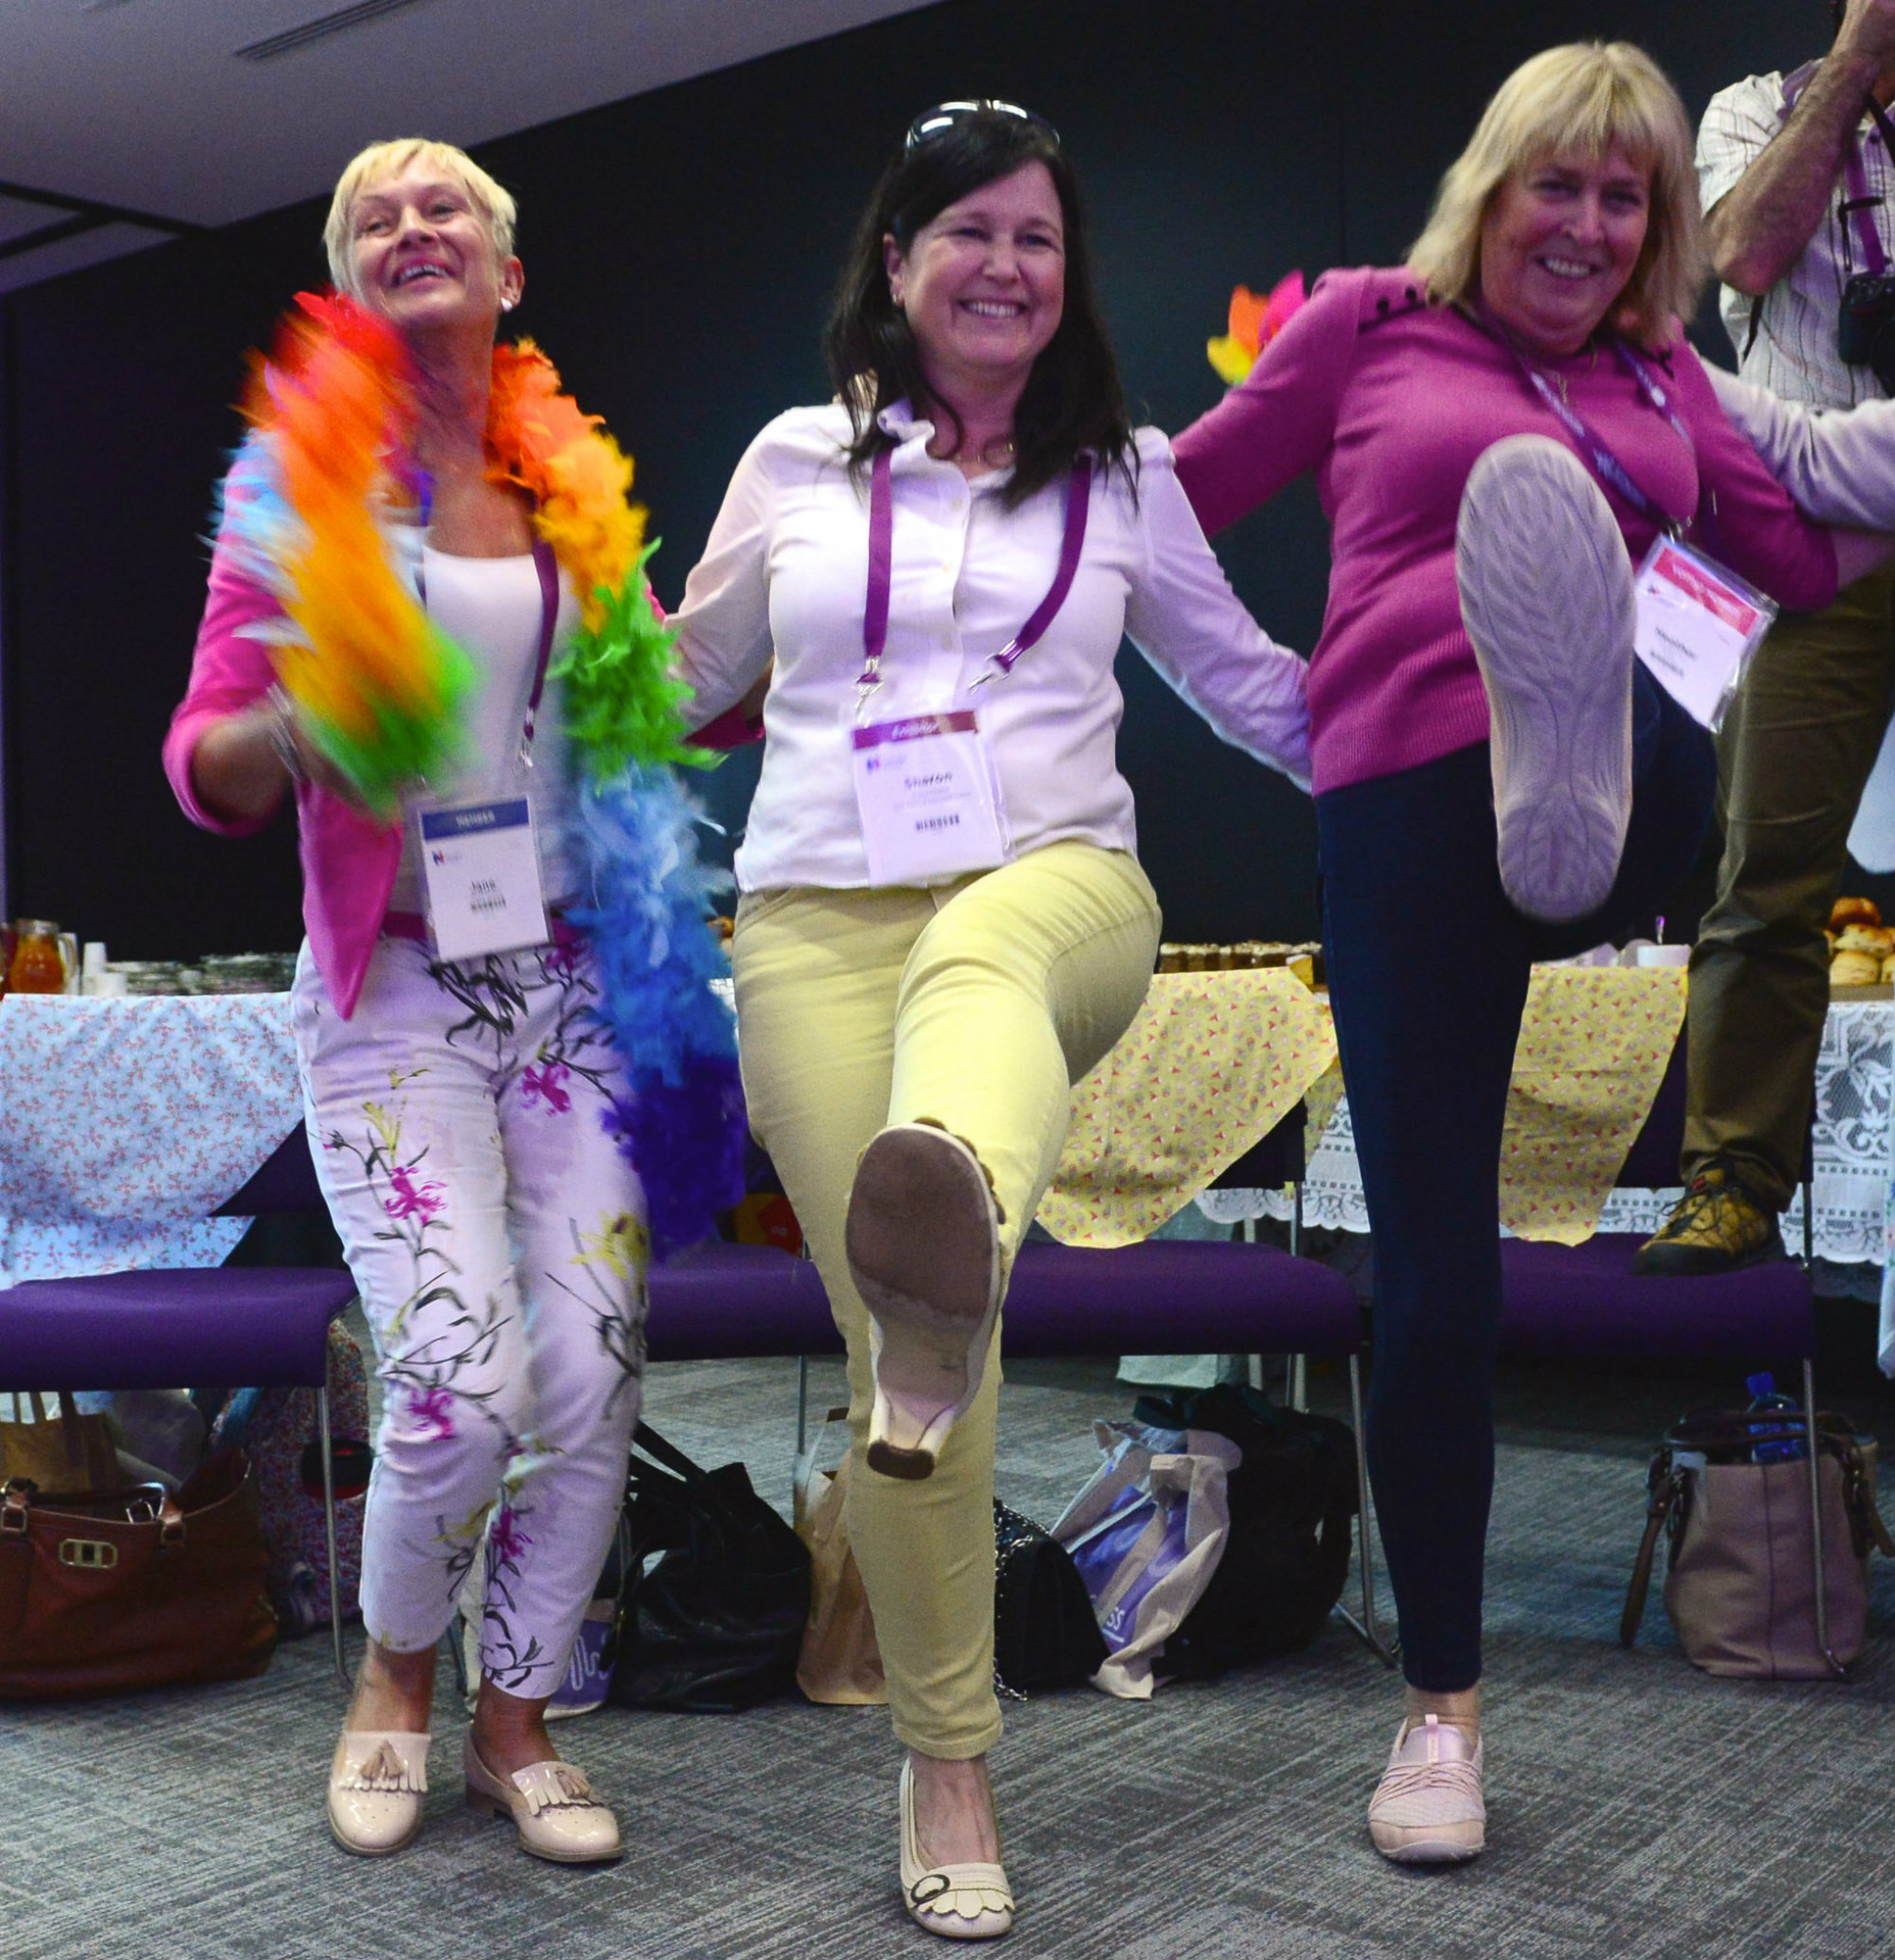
[(1663, 956)]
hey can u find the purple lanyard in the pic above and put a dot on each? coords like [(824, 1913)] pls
[(881, 570), (548, 567), (1593, 447), (1859, 203)]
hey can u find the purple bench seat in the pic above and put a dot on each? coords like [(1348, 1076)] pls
[(1568, 1301), (1184, 1296), (260, 1326)]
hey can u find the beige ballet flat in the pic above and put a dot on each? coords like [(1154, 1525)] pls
[(375, 1786), (550, 1805), (957, 1901)]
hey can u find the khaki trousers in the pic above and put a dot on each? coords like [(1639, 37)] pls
[(1793, 754), (976, 1005)]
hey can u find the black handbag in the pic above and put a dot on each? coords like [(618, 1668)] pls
[(1292, 1503), (715, 1623), (1046, 1635)]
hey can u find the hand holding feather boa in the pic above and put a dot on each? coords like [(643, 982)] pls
[(323, 503)]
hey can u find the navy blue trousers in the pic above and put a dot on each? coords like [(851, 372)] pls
[(1428, 966)]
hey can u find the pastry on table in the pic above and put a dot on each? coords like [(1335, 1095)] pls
[(1854, 911), (1875, 940), (1855, 969)]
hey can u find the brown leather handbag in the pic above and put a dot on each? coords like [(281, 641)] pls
[(106, 1592), (1732, 1490)]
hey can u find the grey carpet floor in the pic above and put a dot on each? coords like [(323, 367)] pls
[(1638, 1807)]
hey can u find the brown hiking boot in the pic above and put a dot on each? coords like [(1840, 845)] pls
[(1718, 1226)]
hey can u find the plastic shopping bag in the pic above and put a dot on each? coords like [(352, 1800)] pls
[(1147, 1534)]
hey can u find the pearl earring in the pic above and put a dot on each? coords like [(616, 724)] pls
[(506, 306)]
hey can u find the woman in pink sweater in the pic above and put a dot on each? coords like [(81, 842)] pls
[(1499, 430)]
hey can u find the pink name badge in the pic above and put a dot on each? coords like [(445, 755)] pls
[(927, 797), (1698, 626)]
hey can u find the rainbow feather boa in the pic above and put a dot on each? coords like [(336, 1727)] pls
[(323, 504)]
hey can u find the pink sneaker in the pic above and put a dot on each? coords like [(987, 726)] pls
[(1427, 1809)]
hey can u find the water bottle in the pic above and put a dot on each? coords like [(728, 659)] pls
[(1766, 1399)]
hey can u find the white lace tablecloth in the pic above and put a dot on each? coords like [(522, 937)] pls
[(1852, 1161), (123, 1121)]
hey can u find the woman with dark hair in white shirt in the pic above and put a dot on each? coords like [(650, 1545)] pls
[(943, 924)]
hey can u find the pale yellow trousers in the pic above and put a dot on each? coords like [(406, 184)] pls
[(975, 1005)]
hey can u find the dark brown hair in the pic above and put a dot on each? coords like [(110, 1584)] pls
[(1072, 402)]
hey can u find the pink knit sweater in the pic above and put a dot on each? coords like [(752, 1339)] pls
[(1390, 400)]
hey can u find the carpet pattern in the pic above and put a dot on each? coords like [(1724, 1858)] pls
[(1638, 1807)]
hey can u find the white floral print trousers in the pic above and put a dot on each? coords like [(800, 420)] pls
[(459, 1123)]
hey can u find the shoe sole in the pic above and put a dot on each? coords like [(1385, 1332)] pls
[(479, 1802), (1547, 595), (374, 1850), (922, 1239), (1432, 1851)]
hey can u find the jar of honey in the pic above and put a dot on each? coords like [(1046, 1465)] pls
[(42, 960)]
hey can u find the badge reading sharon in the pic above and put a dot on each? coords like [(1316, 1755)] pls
[(926, 791)]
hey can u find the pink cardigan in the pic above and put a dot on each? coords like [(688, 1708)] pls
[(348, 861), (1390, 400)]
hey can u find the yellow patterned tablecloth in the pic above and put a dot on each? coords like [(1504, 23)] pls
[(1594, 1045), (1213, 1062)]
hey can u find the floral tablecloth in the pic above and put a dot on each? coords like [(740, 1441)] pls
[(1213, 1062), (123, 1121)]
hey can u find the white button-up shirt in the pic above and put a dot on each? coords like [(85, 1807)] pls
[(1794, 350), (786, 570)]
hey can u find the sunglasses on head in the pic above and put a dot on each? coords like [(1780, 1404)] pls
[(938, 120)]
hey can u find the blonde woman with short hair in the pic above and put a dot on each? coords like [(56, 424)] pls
[(1499, 429), (468, 1096)]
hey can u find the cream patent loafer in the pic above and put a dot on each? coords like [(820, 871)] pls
[(376, 1785), (550, 1804), (955, 1901)]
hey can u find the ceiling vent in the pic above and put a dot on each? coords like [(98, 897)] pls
[(340, 21)]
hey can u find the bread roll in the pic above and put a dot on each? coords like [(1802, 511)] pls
[(1876, 939), (1888, 968), (1854, 970), (1853, 911)]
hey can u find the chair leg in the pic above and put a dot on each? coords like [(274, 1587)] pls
[(329, 1534), (1368, 1629), (1816, 1571), (1252, 1363), (1295, 1372)]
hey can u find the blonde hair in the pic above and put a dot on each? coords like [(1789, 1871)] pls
[(1578, 102), (495, 205)]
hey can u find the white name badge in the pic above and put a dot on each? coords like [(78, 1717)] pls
[(480, 867), (929, 806), (1698, 626)]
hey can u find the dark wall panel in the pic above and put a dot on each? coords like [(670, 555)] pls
[(679, 249)]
